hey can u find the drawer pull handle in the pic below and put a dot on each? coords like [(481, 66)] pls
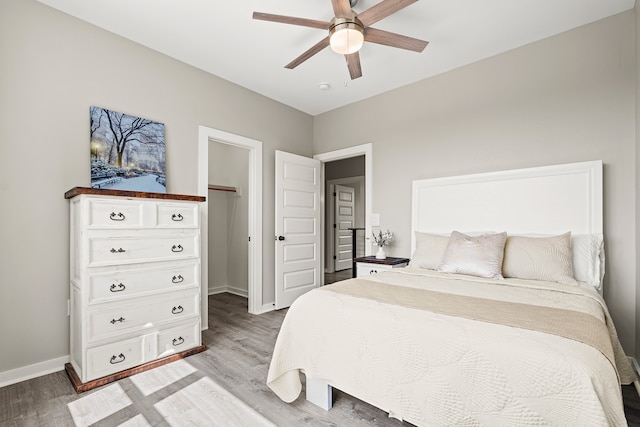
[(373, 271), (117, 288), (178, 341), (117, 216), (114, 321), (177, 248), (177, 217), (118, 251), (177, 310), (177, 279), (117, 359)]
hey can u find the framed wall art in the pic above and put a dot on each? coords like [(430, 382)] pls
[(127, 152)]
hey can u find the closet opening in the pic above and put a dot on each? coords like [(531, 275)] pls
[(228, 219), (241, 274)]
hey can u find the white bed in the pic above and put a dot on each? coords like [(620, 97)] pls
[(436, 348)]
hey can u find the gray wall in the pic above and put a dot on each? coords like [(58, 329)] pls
[(53, 68), (568, 98)]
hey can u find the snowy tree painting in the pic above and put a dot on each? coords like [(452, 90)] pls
[(127, 152)]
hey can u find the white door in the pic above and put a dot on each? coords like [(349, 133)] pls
[(344, 219), (298, 240)]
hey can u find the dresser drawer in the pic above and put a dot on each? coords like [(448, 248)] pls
[(117, 250), (365, 269), (145, 314), (368, 269), (178, 339), (115, 213), (114, 283), (177, 215), (110, 358)]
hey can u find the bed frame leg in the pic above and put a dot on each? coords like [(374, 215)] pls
[(319, 393)]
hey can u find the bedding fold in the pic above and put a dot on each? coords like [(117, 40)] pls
[(569, 324)]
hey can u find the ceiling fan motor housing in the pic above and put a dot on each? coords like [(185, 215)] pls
[(350, 37), (340, 23)]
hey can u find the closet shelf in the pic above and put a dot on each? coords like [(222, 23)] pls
[(223, 188)]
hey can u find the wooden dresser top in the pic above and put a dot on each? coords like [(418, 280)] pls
[(76, 191)]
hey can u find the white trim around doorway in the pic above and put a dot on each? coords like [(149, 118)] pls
[(254, 195)]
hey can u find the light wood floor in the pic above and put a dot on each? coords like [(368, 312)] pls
[(238, 358)]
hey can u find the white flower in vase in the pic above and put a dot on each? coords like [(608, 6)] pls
[(382, 239)]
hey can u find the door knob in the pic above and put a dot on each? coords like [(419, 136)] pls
[(280, 238)]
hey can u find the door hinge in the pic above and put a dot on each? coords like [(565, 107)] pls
[(335, 194), (334, 257), (334, 226), (249, 238)]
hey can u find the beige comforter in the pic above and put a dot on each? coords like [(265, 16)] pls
[(439, 363)]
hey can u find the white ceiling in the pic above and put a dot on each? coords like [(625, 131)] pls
[(221, 38)]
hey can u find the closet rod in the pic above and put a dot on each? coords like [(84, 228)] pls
[(222, 188)]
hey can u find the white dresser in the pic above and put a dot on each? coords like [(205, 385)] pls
[(135, 282)]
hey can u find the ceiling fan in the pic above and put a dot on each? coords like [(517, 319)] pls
[(348, 31)]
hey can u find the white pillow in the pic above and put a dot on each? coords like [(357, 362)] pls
[(588, 259), (539, 258), (474, 255), (429, 251)]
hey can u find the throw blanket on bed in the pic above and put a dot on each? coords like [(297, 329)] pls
[(438, 368), (570, 324)]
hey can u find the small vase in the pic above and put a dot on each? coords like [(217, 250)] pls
[(380, 254)]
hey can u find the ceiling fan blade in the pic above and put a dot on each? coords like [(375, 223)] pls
[(341, 8), (309, 53), (382, 10), (394, 40), (353, 64), (322, 25)]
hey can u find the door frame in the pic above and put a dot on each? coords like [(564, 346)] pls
[(365, 150), (207, 135)]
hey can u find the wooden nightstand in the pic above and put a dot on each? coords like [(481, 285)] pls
[(370, 264)]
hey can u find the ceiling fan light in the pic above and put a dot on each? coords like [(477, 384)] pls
[(346, 38)]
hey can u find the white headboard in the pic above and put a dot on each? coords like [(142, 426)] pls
[(545, 200)]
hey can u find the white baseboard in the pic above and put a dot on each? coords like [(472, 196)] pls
[(32, 371), (216, 290), (238, 291), (229, 289)]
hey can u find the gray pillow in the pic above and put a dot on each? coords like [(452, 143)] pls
[(474, 255)]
